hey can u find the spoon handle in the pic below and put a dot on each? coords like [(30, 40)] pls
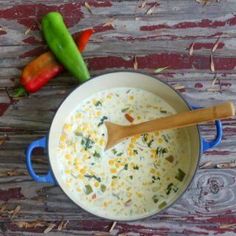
[(184, 119)]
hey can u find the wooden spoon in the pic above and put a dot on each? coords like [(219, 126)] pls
[(116, 133)]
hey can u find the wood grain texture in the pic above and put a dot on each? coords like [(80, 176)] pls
[(179, 34)]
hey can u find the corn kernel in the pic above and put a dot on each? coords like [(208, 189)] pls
[(68, 156), (101, 141), (153, 152), (67, 172), (131, 97), (67, 127), (63, 138), (111, 162), (78, 115), (96, 184), (105, 204), (82, 171), (152, 171), (160, 140), (78, 189), (117, 165), (131, 146), (139, 194), (113, 183), (113, 171)]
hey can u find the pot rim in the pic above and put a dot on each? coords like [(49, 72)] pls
[(184, 189)]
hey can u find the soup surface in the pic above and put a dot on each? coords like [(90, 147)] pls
[(137, 177)]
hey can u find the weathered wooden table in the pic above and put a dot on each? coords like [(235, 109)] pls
[(142, 35)]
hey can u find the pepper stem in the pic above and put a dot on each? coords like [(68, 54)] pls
[(20, 92)]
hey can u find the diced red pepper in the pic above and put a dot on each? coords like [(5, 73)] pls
[(129, 117)]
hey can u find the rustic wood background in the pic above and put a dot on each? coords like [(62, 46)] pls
[(130, 34)]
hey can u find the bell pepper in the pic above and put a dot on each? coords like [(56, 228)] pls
[(45, 67), (63, 46)]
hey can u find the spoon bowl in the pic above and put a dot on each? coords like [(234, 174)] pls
[(117, 133)]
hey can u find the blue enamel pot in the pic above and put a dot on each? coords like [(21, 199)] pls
[(197, 144)]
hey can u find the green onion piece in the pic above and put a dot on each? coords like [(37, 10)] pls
[(162, 205), (155, 198), (170, 158), (96, 154), (88, 189), (98, 103), (180, 175), (126, 166), (125, 109), (103, 188)]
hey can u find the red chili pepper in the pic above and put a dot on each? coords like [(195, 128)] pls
[(45, 67), (83, 38)]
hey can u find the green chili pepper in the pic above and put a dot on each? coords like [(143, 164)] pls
[(63, 46)]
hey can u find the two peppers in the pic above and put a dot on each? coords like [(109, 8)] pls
[(65, 51)]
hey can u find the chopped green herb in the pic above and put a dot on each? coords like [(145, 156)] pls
[(125, 109), (96, 154), (114, 151), (87, 143), (77, 133), (119, 154), (74, 175), (154, 178), (144, 138), (94, 177), (135, 151), (163, 111), (88, 189), (102, 120), (103, 188), (170, 158), (131, 176), (82, 142), (168, 189), (98, 103), (165, 137), (180, 175), (116, 196), (114, 177), (126, 167), (162, 205), (171, 187), (150, 143), (161, 151), (136, 167), (155, 198)]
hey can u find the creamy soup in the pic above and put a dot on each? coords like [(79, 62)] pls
[(135, 178)]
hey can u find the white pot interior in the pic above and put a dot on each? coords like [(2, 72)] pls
[(114, 80)]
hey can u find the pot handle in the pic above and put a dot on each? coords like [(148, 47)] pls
[(48, 178), (205, 145)]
